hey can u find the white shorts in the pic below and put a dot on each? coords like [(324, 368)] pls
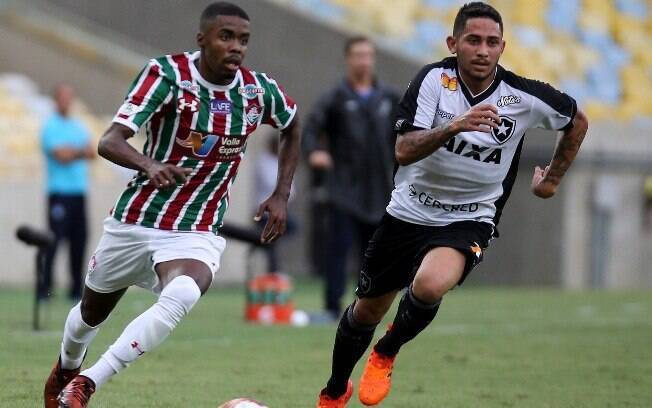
[(127, 255)]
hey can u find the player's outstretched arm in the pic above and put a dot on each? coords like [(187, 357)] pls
[(113, 146), (545, 181), (419, 144), (276, 205)]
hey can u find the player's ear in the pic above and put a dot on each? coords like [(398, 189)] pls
[(201, 38), (451, 42)]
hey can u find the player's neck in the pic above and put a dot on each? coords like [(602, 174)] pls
[(211, 76), (474, 85)]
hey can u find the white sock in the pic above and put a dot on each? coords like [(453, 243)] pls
[(77, 335), (148, 330)]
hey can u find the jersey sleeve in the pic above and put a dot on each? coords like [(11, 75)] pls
[(417, 108), (281, 108), (551, 109), (146, 95)]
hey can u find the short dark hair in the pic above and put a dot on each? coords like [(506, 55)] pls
[(221, 8), (357, 39), (473, 10)]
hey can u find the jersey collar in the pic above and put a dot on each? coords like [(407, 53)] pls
[(475, 99), (210, 85)]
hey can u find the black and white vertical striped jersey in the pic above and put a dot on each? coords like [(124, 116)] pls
[(471, 176)]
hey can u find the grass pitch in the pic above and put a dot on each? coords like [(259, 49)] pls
[(487, 348)]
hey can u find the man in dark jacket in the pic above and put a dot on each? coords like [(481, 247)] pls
[(349, 136)]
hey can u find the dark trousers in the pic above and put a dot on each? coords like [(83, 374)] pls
[(346, 232), (67, 220)]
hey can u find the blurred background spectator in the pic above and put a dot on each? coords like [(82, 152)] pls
[(67, 146), (349, 135)]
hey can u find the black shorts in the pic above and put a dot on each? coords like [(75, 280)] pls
[(397, 248)]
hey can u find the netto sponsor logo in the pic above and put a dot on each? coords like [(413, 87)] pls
[(506, 100)]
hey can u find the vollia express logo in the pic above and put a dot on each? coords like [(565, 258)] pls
[(200, 144)]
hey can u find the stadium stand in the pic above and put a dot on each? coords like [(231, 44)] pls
[(597, 50), (22, 110)]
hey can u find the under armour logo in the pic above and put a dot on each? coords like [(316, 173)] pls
[(190, 105)]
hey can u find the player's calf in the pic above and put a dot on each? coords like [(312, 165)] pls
[(148, 330), (370, 311)]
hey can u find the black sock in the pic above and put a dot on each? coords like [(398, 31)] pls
[(411, 318), (351, 341)]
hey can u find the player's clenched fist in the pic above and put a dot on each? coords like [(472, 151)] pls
[(480, 118), (166, 175), (540, 186), (277, 214)]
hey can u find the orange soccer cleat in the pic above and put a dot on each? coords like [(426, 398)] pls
[(77, 393), (376, 379), (327, 402), (59, 378)]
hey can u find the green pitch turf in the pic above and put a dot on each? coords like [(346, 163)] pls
[(487, 348)]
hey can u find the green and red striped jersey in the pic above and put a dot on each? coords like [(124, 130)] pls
[(193, 123)]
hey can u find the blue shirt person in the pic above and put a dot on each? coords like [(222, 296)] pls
[(66, 144), (65, 141)]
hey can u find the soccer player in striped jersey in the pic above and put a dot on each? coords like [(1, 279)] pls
[(198, 109), (460, 129)]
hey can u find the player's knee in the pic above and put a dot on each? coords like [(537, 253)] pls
[(203, 279), (430, 288), (179, 297), (91, 315)]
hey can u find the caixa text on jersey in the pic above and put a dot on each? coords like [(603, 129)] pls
[(428, 200)]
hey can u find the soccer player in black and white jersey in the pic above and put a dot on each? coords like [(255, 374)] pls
[(460, 131)]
